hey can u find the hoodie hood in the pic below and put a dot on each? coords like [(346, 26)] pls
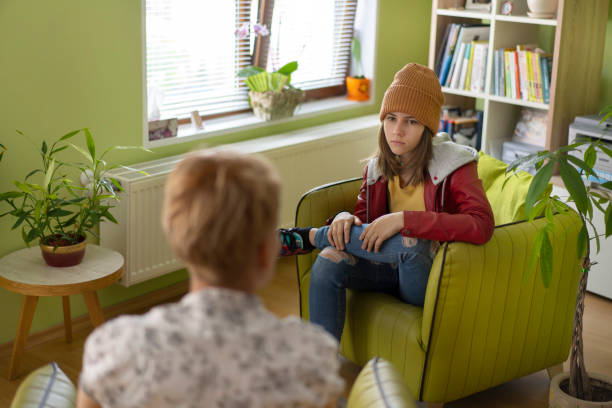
[(447, 157)]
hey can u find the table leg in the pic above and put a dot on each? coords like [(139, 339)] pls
[(93, 306), (28, 306), (67, 318)]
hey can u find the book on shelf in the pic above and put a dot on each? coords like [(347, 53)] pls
[(546, 62), (449, 49), (467, 34), (531, 93), (522, 54), (440, 53), (477, 80), (464, 66), (468, 75)]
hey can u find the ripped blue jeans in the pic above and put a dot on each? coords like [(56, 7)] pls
[(400, 268)]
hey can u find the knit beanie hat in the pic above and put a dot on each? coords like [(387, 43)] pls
[(415, 90)]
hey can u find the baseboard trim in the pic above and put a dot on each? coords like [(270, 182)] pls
[(130, 306)]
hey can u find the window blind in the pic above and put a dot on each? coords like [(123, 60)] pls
[(193, 56), (317, 34)]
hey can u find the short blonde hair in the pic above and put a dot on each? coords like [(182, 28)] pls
[(218, 208)]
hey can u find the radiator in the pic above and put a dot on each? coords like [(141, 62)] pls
[(305, 159)]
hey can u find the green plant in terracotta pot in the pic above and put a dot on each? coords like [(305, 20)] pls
[(54, 210), (270, 93), (357, 86), (578, 388)]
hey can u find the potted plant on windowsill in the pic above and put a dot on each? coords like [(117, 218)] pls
[(358, 86), (49, 207), (270, 93), (576, 388)]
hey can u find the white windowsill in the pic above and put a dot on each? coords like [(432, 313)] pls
[(246, 121)]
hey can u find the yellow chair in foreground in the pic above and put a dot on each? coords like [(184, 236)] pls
[(482, 323)]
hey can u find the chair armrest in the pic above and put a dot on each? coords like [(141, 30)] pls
[(45, 387), (484, 322), (379, 384)]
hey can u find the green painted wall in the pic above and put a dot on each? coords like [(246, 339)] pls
[(67, 64)]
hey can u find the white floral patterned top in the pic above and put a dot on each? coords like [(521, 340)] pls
[(214, 348)]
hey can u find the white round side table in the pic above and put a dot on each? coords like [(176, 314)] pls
[(25, 272)]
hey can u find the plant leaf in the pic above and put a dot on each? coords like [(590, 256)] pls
[(537, 186), (11, 194), (574, 185), (546, 260), (288, 69), (590, 155), (249, 71), (583, 239), (48, 174), (582, 165), (535, 253), (70, 134), (91, 146), (82, 151), (608, 218), (596, 236)]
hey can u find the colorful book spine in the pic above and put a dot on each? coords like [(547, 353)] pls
[(545, 78), (478, 66), (470, 66), (464, 66), (454, 82), (507, 73), (495, 74), (516, 76), (522, 58), (538, 75), (501, 80), (530, 78)]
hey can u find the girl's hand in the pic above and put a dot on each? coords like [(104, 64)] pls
[(380, 230), (339, 231)]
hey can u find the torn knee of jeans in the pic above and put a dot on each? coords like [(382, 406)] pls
[(409, 242), (337, 256)]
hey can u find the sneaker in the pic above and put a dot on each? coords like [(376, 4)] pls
[(294, 241)]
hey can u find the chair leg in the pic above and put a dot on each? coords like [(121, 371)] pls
[(554, 370)]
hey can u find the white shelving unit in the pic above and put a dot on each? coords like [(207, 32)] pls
[(579, 37)]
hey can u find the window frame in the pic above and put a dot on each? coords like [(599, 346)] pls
[(318, 101)]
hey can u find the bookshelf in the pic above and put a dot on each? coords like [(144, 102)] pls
[(576, 39)]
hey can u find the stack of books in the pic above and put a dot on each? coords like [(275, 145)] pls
[(463, 127), (462, 58), (522, 72)]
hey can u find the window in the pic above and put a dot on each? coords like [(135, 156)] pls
[(193, 54)]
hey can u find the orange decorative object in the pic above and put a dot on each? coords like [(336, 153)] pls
[(357, 89)]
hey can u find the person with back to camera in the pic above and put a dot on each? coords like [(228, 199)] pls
[(417, 190), (218, 346)]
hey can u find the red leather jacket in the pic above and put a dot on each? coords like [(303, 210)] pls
[(456, 209)]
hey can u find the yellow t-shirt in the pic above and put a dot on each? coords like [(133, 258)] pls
[(409, 198)]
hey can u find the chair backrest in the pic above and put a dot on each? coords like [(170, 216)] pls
[(379, 385), (507, 201)]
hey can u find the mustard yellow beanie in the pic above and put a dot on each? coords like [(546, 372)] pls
[(415, 90)]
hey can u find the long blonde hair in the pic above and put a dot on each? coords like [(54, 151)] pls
[(390, 164)]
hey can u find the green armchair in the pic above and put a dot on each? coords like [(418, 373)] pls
[(482, 323)]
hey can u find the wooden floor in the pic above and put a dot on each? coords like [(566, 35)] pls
[(280, 296)]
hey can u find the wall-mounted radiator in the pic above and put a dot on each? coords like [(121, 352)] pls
[(305, 159)]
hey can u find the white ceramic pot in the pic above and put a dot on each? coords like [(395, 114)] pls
[(542, 8), (557, 398)]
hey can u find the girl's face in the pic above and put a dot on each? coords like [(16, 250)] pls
[(403, 133)]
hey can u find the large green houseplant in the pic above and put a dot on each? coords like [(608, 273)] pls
[(51, 208), (573, 162), (270, 93)]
